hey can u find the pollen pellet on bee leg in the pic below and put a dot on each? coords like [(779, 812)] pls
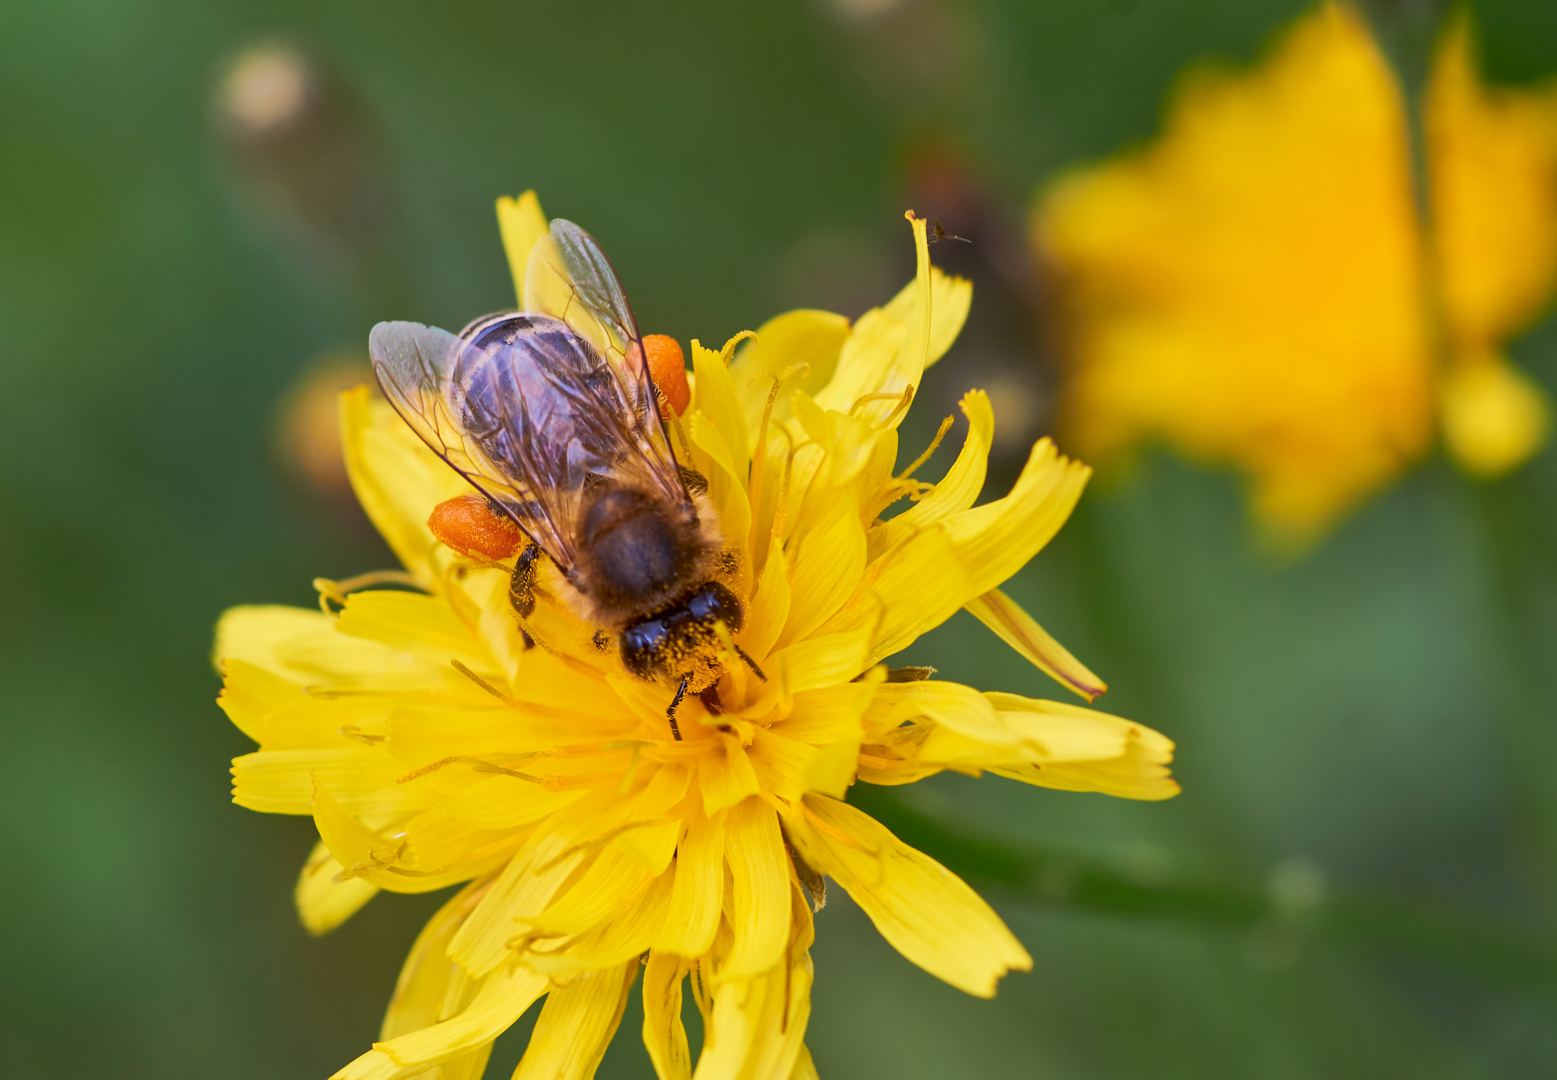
[(469, 526), (668, 369)]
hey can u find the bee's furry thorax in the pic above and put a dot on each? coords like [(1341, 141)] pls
[(638, 554)]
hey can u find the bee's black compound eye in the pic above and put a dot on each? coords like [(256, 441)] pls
[(714, 601), (644, 646), (659, 645)]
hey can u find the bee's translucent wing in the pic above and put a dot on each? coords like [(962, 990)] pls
[(570, 278), (528, 410), (415, 366)]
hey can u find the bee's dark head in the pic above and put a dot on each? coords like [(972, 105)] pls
[(639, 548)]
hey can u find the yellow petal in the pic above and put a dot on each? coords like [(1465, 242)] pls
[(889, 348), (726, 475), (419, 736), (1020, 631), (759, 889), (1138, 773), (805, 1068), (822, 661), (769, 608), (1492, 179), (720, 404), (996, 540), (440, 840), (757, 1026), (414, 623), (521, 224), (1494, 418), (809, 337), (501, 1001), (923, 582), (524, 888), (576, 1025), (827, 568), (325, 722), (781, 764), (612, 882), (396, 478), (726, 776), (664, 1035), (1064, 732), (959, 708), (697, 898), (927, 913), (652, 845), (823, 716), (386, 861), (1250, 286), (432, 987), (282, 781), (303, 646), (964, 481), (256, 633), (905, 592), (1041, 731), (833, 768), (324, 903), (502, 803), (250, 693), (612, 943), (616, 877), (554, 855)]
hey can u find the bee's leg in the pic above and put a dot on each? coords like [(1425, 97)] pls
[(521, 592), (727, 563), (601, 641), (695, 482), (670, 710), (757, 671), (521, 585)]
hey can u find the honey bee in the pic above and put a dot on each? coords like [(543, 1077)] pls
[(552, 416)]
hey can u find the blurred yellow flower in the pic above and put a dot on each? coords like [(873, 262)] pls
[(431, 747), (1259, 287)]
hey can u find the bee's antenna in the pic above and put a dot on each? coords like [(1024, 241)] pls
[(749, 661), (670, 710), (729, 642)]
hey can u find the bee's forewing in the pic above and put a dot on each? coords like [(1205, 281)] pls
[(570, 278), (545, 424), (414, 365)]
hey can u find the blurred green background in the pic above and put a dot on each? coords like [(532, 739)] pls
[(1361, 876)]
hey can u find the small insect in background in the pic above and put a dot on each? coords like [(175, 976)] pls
[(552, 416)]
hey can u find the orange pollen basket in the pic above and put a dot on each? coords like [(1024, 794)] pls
[(668, 369), (468, 525)]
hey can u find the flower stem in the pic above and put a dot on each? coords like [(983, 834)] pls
[(1406, 928)]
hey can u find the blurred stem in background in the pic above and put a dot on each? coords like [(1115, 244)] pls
[(310, 166), (1519, 554), (1293, 903), (309, 158)]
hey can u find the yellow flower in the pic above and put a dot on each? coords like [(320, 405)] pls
[(1258, 287), (431, 747)]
